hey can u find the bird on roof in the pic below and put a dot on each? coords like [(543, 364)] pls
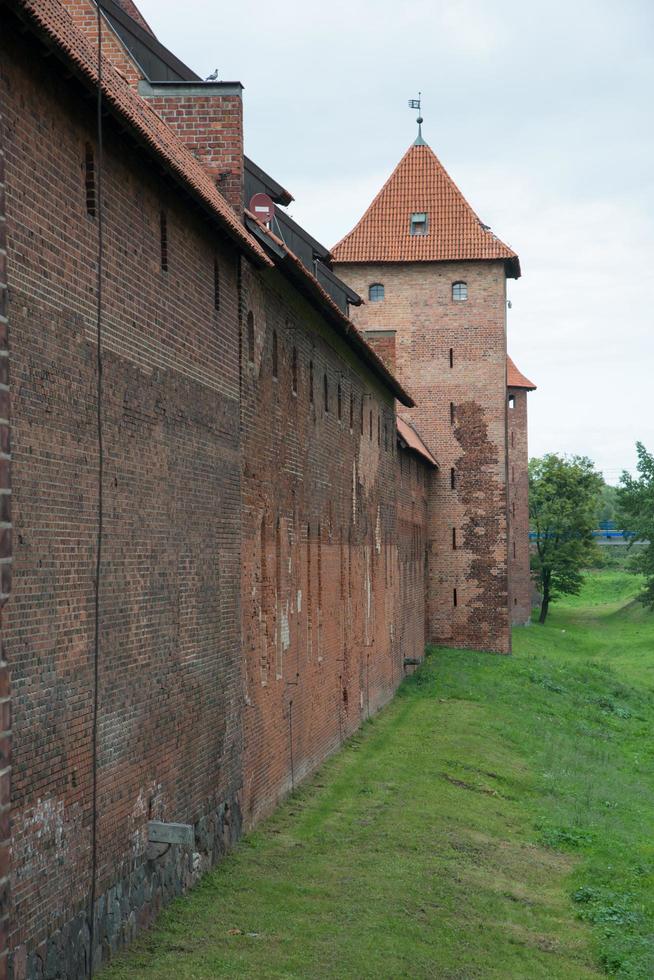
[(213, 76)]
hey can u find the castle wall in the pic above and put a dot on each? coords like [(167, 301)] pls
[(518, 482), (451, 356), (169, 733), (333, 567)]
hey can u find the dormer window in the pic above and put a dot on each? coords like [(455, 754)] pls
[(375, 292), (459, 291), (419, 223)]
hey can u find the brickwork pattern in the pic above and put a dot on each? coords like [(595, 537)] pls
[(332, 574), (170, 738), (210, 124), (451, 356), (519, 572), (5, 569)]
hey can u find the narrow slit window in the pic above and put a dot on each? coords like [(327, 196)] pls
[(451, 357), (379, 430), (454, 598), (361, 414), (163, 236), (459, 291), (385, 437), (251, 337), (452, 413), (340, 402), (512, 439), (326, 392), (311, 382), (371, 425), (375, 292), (294, 370), (216, 285), (514, 549), (351, 411), (275, 356), (453, 539), (452, 478), (89, 181)]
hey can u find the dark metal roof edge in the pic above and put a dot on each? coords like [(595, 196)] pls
[(149, 40), (352, 297), (312, 290), (230, 88), (280, 195), (322, 250)]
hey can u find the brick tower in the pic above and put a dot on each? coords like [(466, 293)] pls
[(519, 574), (435, 276)]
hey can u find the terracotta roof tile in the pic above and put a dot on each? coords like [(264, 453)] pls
[(52, 20), (420, 183), (515, 378), (410, 437)]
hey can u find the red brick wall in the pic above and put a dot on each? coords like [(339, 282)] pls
[(383, 343), (169, 729), (208, 118), (5, 570), (519, 573), (324, 632), (461, 414)]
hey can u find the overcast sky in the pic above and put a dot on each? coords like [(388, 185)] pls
[(541, 112)]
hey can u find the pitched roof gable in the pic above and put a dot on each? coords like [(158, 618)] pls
[(515, 378), (420, 183)]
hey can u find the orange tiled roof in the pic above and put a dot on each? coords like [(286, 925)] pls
[(410, 437), (52, 21), (515, 378), (420, 183)]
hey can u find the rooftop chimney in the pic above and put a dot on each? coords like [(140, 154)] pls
[(208, 118)]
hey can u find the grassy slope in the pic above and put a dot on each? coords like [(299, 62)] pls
[(494, 821)]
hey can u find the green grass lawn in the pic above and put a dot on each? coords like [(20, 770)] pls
[(496, 820)]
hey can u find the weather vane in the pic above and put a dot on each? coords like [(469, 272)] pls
[(416, 104)]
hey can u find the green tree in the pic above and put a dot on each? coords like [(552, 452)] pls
[(636, 512), (564, 495), (608, 503)]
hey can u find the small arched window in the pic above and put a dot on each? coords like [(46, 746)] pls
[(251, 337), (275, 359), (375, 292), (459, 291)]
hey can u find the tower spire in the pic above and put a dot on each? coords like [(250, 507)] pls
[(416, 104)]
